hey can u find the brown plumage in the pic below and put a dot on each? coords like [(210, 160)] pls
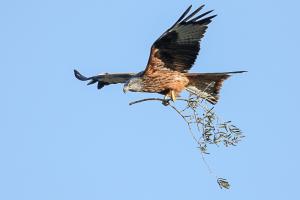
[(171, 56)]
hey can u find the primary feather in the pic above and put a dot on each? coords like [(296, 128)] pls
[(178, 47)]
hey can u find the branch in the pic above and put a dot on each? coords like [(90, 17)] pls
[(202, 120), (165, 102)]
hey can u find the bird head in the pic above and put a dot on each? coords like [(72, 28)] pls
[(133, 85)]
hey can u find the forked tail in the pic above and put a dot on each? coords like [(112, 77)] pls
[(208, 85)]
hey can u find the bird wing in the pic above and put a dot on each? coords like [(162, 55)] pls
[(105, 79), (178, 47)]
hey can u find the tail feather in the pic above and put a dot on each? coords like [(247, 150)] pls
[(207, 85)]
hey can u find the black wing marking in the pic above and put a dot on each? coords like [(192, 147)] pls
[(179, 46)]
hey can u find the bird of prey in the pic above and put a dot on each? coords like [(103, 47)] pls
[(171, 56)]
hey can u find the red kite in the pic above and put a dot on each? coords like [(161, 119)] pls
[(171, 56)]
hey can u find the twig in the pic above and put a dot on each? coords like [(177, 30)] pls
[(207, 125), (148, 99), (188, 123)]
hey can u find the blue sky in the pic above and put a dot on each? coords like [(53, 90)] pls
[(60, 139)]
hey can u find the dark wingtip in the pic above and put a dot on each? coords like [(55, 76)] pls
[(79, 76), (183, 15), (193, 13), (76, 73), (100, 85), (93, 80), (206, 20)]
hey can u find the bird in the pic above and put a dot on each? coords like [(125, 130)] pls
[(172, 55)]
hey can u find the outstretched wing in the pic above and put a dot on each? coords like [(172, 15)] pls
[(178, 47), (105, 79)]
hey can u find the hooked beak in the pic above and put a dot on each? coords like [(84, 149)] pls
[(125, 89)]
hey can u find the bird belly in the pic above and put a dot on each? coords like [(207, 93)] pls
[(165, 81)]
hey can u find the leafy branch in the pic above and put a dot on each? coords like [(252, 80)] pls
[(204, 125)]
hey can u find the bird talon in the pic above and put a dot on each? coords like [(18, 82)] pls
[(166, 102), (173, 96)]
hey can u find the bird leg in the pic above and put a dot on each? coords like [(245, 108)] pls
[(172, 96)]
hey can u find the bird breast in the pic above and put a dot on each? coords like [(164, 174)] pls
[(159, 81)]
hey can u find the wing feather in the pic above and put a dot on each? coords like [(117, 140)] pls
[(105, 79), (178, 47)]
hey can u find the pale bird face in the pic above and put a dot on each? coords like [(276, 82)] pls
[(133, 85)]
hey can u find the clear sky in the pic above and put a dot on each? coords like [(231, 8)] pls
[(60, 139)]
